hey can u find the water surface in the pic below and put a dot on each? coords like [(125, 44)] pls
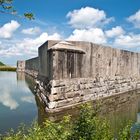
[(17, 102)]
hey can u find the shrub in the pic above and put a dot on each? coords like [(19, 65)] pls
[(88, 126)]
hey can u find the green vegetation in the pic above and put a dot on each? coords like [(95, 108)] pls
[(6, 7), (7, 68), (3, 67), (88, 126), (1, 64)]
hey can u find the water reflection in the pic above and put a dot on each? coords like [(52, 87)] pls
[(22, 77), (28, 99), (121, 114), (6, 99), (138, 117), (17, 103), (42, 114), (118, 109)]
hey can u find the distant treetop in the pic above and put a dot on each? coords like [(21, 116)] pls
[(6, 7), (1, 64)]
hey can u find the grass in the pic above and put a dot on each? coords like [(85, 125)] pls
[(7, 68)]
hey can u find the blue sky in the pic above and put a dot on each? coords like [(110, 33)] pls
[(109, 22)]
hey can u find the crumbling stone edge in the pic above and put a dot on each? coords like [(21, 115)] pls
[(59, 95)]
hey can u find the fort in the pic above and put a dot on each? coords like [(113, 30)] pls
[(69, 73)]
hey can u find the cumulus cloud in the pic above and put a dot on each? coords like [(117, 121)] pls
[(7, 30), (95, 35), (27, 46), (114, 32), (1, 45), (31, 31), (128, 41), (135, 19), (88, 17)]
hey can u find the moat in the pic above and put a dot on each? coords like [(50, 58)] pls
[(18, 104)]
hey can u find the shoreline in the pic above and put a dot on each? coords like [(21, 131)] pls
[(7, 68)]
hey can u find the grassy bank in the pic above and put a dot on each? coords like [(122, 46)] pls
[(7, 68), (88, 126)]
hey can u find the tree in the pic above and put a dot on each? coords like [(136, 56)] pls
[(6, 7)]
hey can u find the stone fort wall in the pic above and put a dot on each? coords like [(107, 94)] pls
[(73, 72), (32, 66)]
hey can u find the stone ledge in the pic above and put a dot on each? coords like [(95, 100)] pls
[(82, 90)]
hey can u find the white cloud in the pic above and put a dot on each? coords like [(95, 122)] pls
[(31, 31), (88, 17), (27, 46), (114, 32), (128, 41), (1, 45), (7, 100), (6, 31), (28, 99), (95, 35), (135, 19)]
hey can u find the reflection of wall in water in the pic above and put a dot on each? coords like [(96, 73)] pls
[(30, 82), (23, 77), (138, 117), (42, 115), (119, 109), (118, 112), (20, 76), (138, 114), (139, 106), (124, 111), (41, 108)]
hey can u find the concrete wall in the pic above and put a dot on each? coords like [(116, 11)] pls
[(74, 78), (105, 61), (71, 77), (32, 66), (43, 64), (67, 65), (21, 66), (99, 61)]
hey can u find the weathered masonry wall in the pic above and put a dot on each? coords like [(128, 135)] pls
[(102, 61), (98, 61), (73, 72), (60, 63), (21, 66), (32, 66)]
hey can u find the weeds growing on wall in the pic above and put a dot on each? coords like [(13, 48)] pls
[(88, 126)]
